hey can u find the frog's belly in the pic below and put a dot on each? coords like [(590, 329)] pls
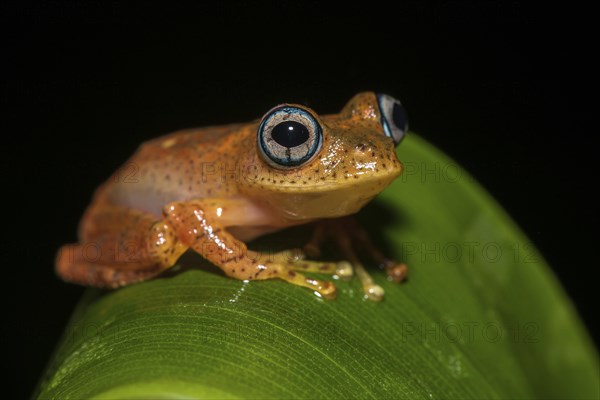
[(149, 199), (254, 221), (152, 196), (248, 233)]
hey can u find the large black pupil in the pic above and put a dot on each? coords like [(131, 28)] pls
[(290, 134), (398, 116)]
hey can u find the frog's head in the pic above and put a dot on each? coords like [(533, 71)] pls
[(308, 166)]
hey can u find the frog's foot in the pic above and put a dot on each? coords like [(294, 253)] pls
[(350, 236), (284, 266), (396, 272), (289, 265), (288, 273), (296, 259)]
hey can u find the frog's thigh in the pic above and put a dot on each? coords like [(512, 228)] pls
[(202, 225), (118, 246)]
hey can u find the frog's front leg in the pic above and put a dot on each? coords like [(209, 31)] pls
[(202, 225), (350, 236)]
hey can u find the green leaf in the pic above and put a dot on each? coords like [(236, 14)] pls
[(481, 316)]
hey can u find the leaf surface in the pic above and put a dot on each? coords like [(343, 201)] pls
[(481, 316)]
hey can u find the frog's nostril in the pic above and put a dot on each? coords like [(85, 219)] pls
[(360, 147)]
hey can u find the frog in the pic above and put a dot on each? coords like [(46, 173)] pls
[(212, 190)]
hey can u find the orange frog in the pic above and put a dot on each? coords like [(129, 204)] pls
[(213, 189)]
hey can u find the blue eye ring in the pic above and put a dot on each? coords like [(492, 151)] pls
[(393, 117), (289, 136)]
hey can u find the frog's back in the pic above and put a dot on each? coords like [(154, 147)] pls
[(183, 165)]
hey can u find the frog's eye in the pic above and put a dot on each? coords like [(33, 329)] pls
[(289, 136), (393, 117)]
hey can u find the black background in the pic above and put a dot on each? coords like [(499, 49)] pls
[(501, 87)]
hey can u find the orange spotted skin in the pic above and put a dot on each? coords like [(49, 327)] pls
[(210, 190)]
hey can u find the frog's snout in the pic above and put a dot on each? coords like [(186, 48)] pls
[(376, 158)]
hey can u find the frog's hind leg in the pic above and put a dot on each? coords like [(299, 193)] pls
[(118, 247), (73, 264)]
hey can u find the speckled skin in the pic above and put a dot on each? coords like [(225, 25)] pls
[(210, 190)]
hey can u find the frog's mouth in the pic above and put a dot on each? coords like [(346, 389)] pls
[(326, 200)]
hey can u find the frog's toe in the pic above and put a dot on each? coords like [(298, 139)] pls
[(374, 292), (312, 250), (397, 272), (325, 289), (321, 267), (344, 270)]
